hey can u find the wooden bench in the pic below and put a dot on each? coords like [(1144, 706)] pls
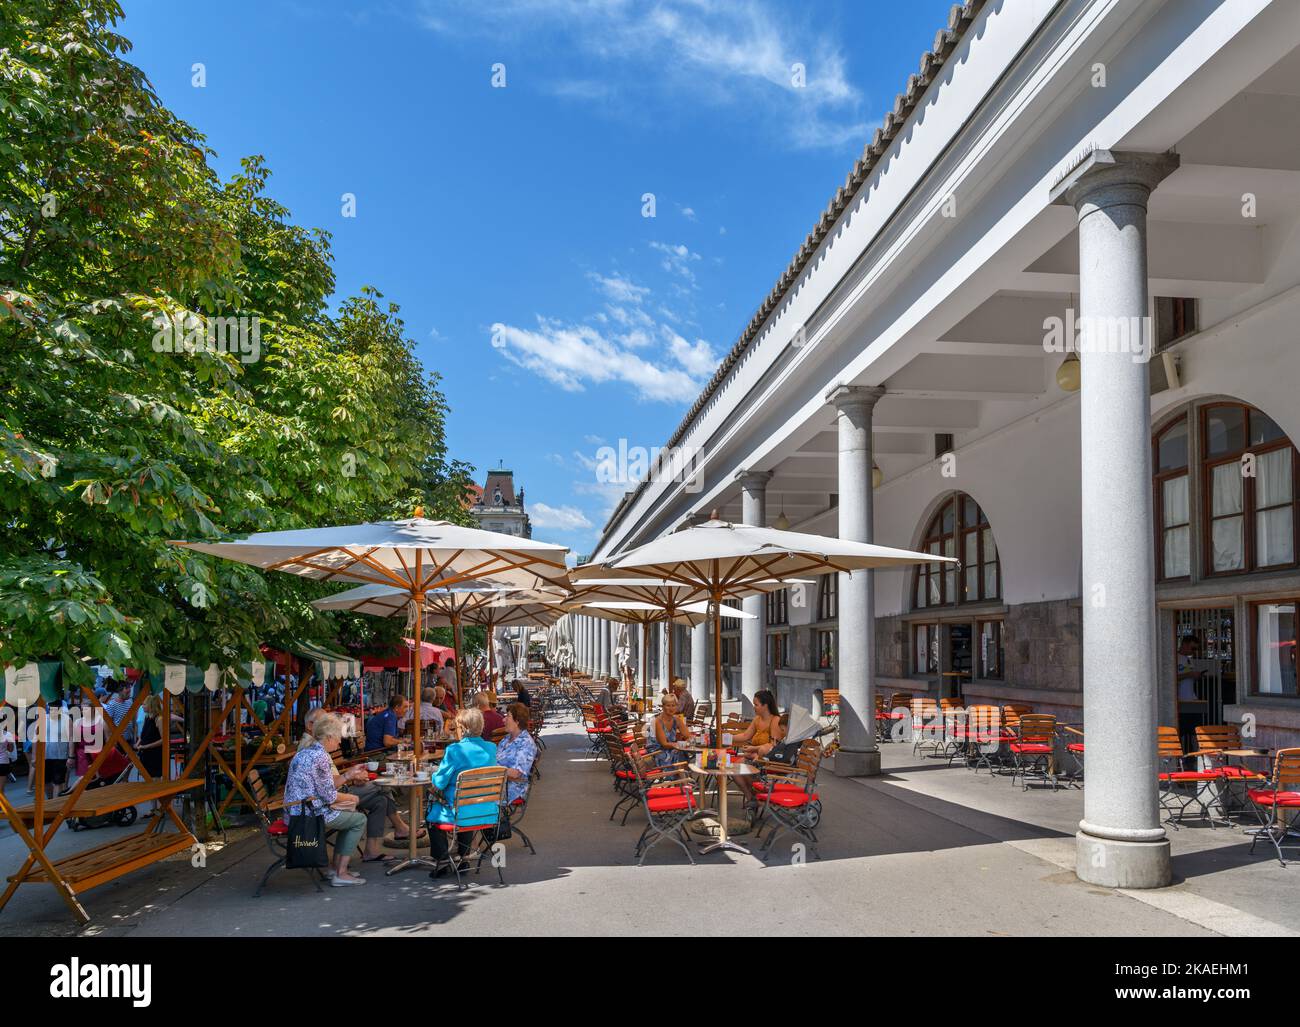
[(94, 802), (85, 870)]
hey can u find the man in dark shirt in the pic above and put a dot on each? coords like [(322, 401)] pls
[(382, 731)]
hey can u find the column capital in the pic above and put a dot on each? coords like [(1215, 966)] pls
[(1128, 175), (847, 396), (753, 479)]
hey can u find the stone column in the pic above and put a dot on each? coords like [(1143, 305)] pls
[(1121, 843), (602, 646), (587, 662), (753, 486), (701, 662), (858, 755)]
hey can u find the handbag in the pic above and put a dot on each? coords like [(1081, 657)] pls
[(305, 843), (784, 752)]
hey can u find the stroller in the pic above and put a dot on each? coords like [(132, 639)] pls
[(115, 768)]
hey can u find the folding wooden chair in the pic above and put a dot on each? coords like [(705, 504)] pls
[(790, 799), (480, 796), (1032, 751), (1277, 804), (669, 802), (1174, 776), (275, 832), (925, 724)]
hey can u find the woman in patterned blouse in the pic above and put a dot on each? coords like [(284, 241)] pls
[(312, 780), (516, 751)]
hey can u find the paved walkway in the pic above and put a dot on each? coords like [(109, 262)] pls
[(925, 850)]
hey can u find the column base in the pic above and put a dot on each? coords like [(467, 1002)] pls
[(856, 764), (1116, 864)]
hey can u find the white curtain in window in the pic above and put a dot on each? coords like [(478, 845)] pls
[(1177, 540), (1274, 532), (1275, 643), (1226, 541), (1174, 501), (1226, 489), (1178, 552)]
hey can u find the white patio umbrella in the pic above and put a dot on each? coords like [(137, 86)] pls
[(413, 555), (726, 560), (646, 613)]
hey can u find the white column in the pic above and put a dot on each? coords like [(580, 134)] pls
[(753, 486), (585, 622), (858, 755), (1120, 842), (701, 663), (602, 646)]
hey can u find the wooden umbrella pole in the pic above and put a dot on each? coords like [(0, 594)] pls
[(455, 642), (717, 667), (418, 599), (668, 671), (491, 648), (645, 660)]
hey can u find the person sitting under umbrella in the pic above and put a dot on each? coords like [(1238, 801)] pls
[(670, 730), (757, 740), (471, 752)]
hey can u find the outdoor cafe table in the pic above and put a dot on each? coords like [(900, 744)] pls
[(722, 774), (414, 786)]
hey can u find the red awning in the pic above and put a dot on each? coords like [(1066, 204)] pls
[(401, 660)]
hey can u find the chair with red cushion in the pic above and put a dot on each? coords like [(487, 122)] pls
[(925, 724), (1033, 748), (1213, 741), (1072, 737), (669, 800), (275, 832), (478, 808), (1180, 787), (790, 801), (1277, 802), (775, 777)]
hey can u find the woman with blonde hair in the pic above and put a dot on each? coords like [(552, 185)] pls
[(470, 752), (313, 782)]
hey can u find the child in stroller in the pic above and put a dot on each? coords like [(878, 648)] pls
[(115, 768)]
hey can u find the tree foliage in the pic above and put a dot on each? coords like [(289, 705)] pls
[(122, 425)]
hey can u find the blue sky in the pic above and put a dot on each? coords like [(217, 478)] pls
[(508, 219)]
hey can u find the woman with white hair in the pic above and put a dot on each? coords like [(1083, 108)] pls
[(312, 781), (471, 751)]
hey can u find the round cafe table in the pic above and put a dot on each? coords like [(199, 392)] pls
[(722, 774), (415, 805)]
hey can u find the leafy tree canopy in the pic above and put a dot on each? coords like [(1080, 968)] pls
[(170, 368)]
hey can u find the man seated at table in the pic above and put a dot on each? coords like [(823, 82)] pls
[(429, 707), (383, 730), (492, 720), (443, 700)]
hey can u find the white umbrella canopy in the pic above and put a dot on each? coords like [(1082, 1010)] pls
[(632, 612), (388, 600), (725, 560), (415, 555)]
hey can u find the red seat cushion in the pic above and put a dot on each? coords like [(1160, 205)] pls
[(1238, 773), (1075, 746), (1266, 797), (671, 803), (277, 828), (1190, 775), (791, 799), (1031, 748), (781, 786), (517, 802)]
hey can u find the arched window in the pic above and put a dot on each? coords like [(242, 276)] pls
[(959, 528), (1246, 470), (1249, 488)]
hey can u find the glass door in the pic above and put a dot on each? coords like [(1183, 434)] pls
[(1205, 674)]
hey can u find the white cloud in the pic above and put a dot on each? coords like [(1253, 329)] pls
[(625, 344), (593, 440), (734, 54), (560, 518), (677, 258)]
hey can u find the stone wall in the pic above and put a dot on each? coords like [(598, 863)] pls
[(1043, 645), (892, 647)]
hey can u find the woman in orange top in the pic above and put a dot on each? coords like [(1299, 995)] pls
[(757, 740)]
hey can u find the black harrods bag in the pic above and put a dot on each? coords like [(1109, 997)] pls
[(306, 840)]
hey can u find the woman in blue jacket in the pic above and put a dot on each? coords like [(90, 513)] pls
[(471, 752)]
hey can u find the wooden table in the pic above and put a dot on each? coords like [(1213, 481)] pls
[(722, 774)]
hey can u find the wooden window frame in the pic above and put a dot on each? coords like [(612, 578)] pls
[(1248, 506), (1158, 505), (960, 530)]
